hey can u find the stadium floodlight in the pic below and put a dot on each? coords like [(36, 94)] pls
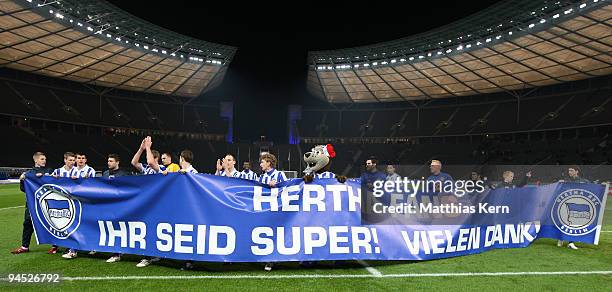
[(137, 44), (58, 15), (51, 11), (448, 51), (468, 46), (498, 37), (164, 52), (146, 47), (402, 60), (531, 25), (366, 65), (356, 66), (108, 35), (384, 63), (429, 54), (421, 57), (460, 47), (30, 1), (89, 28), (488, 40), (542, 20), (155, 50), (582, 5), (440, 53), (374, 63), (568, 11), (329, 67), (79, 24), (556, 16), (478, 43), (393, 61), (509, 33)]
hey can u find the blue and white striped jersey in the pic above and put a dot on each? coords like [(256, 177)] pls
[(190, 169), (146, 169), (86, 171), (234, 173), (248, 174), (62, 172), (273, 174), (327, 174)]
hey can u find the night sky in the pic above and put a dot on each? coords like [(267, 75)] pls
[(269, 70)]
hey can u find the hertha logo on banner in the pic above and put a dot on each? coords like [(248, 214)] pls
[(57, 210), (575, 211)]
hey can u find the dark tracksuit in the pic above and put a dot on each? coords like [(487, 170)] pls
[(28, 229)]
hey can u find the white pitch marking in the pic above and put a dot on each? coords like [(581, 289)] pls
[(307, 276), (14, 207), (370, 269)]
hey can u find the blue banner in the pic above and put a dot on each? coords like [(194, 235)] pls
[(209, 218)]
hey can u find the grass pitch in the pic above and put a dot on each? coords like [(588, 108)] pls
[(538, 267)]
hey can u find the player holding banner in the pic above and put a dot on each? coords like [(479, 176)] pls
[(68, 170), (82, 170)]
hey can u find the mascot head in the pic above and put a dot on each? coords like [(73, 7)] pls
[(318, 158)]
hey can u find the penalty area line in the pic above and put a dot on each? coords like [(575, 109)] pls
[(311, 276)]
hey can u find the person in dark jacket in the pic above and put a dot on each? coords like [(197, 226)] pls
[(39, 169), (113, 167)]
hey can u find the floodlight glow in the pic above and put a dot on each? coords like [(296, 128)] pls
[(460, 47), (488, 40), (402, 60), (440, 53), (556, 16), (374, 63), (108, 35), (582, 5), (421, 57), (366, 65), (393, 61), (58, 15), (568, 11), (146, 47), (356, 66), (384, 63), (543, 20), (164, 52), (448, 51), (468, 46), (531, 25), (498, 37), (509, 33)]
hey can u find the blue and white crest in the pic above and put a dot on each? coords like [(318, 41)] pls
[(57, 210), (574, 212)]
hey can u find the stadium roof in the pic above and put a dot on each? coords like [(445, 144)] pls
[(512, 45), (94, 42)]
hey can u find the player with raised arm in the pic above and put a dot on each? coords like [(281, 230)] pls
[(227, 166), (151, 167)]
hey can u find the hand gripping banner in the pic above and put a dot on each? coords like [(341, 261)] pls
[(208, 218)]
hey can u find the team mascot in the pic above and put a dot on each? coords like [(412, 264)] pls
[(318, 163)]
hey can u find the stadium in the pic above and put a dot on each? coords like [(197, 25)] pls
[(513, 95)]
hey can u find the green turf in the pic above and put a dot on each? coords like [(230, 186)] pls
[(543, 255)]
